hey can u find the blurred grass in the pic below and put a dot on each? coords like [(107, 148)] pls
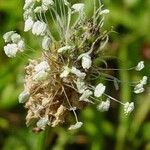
[(131, 43)]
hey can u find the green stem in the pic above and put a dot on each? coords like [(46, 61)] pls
[(41, 140), (124, 97)]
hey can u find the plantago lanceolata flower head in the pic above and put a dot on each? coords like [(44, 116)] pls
[(60, 80)]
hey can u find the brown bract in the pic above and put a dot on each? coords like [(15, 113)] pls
[(52, 97)]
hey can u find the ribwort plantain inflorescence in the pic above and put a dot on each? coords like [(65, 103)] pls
[(60, 81)]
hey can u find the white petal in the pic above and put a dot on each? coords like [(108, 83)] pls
[(99, 90), (76, 126), (28, 24)]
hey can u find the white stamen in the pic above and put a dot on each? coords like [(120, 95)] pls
[(86, 61), (144, 80), (105, 11), (140, 66), (40, 76), (48, 2), (46, 43), (64, 48), (78, 73), (7, 36), (39, 28), (28, 4), (99, 90), (81, 87), (42, 122), (65, 72), (21, 45), (86, 94), (15, 38), (28, 24), (23, 97), (42, 66), (76, 126), (79, 7), (128, 107), (11, 50), (138, 88), (104, 106)]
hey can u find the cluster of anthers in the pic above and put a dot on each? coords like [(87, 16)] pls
[(64, 78)]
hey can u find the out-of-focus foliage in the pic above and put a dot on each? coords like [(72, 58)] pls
[(112, 130)]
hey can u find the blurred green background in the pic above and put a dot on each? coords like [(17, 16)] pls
[(101, 131)]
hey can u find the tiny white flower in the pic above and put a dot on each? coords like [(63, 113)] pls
[(15, 38), (81, 87), (27, 13), (38, 9), (7, 36), (65, 72), (42, 66), (76, 126), (105, 11), (64, 48), (39, 28), (11, 50), (46, 43), (128, 107), (99, 90), (42, 122), (140, 66), (86, 61), (66, 2), (28, 24), (21, 45), (86, 94), (79, 7), (28, 4), (138, 88), (144, 80), (40, 76), (48, 2), (73, 108), (78, 73), (23, 97), (104, 106)]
